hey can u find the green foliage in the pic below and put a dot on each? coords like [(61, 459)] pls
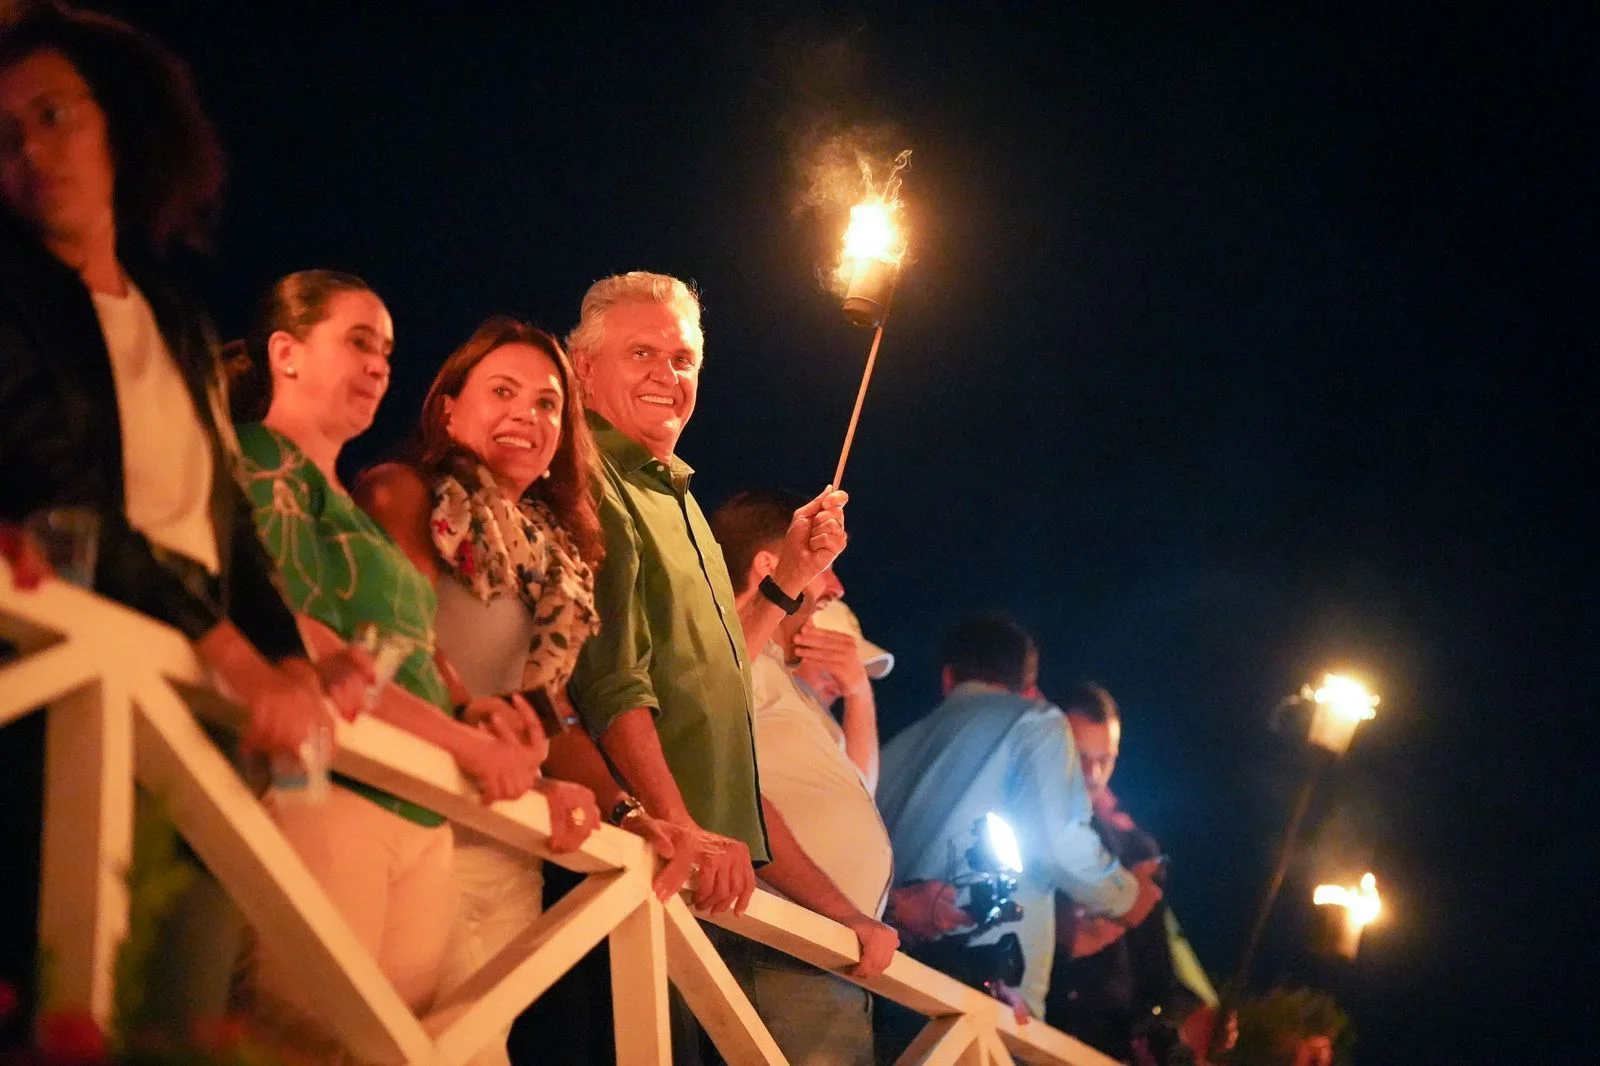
[(1272, 1027), (156, 879)]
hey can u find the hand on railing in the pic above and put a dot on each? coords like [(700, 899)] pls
[(573, 813), (345, 677), (1012, 997), (671, 842), (878, 942), (501, 767), (726, 877), (21, 552), (285, 703)]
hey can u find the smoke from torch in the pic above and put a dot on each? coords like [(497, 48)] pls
[(874, 247)]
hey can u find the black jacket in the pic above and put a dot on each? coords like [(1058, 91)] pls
[(61, 444), (1106, 999)]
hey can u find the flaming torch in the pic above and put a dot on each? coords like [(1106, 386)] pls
[(874, 251), (1339, 703), (1361, 906)]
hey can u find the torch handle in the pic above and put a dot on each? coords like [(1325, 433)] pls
[(861, 398)]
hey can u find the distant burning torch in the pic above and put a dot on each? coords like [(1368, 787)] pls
[(1360, 907), (874, 251)]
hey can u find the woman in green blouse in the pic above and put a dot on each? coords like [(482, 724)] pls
[(321, 347)]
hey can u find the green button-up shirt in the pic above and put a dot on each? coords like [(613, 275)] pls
[(670, 638)]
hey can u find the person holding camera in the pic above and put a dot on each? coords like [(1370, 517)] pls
[(1118, 993), (989, 754)]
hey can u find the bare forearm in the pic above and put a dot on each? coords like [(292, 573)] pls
[(398, 707), (759, 618), (234, 659), (634, 748), (574, 757), (423, 720), (792, 872), (860, 724)]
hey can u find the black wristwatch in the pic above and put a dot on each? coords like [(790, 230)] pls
[(625, 808), (790, 604)]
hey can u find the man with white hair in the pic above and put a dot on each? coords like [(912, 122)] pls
[(665, 685)]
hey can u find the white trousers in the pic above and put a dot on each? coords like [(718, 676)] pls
[(502, 894)]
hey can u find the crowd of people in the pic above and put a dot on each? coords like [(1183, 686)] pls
[(567, 619)]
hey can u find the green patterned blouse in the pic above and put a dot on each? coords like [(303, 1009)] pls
[(339, 566)]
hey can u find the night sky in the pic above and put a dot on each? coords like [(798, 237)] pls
[(1237, 346)]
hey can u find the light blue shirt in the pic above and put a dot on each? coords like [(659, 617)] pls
[(987, 750)]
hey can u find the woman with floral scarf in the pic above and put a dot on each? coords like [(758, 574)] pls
[(496, 502)]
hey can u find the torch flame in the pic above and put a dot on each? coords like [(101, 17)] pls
[(1346, 697), (1363, 904), (872, 233)]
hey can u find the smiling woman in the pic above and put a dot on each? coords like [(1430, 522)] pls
[(321, 343), (496, 502), (317, 335)]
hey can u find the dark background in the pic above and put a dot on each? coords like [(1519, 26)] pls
[(1238, 345)]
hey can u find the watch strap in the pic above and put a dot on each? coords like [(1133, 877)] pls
[(623, 808), (790, 604)]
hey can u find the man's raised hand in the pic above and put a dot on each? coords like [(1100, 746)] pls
[(814, 540)]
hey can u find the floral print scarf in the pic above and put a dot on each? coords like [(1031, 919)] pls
[(499, 547)]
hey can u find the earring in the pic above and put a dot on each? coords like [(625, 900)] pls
[(545, 474), (290, 372)]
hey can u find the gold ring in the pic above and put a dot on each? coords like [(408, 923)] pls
[(577, 817)]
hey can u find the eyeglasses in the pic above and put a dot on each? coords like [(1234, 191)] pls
[(51, 116)]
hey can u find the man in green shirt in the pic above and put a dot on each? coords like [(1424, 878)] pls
[(665, 686)]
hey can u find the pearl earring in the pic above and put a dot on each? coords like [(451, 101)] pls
[(545, 474), (290, 372)]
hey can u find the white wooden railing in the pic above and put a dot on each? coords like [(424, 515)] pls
[(122, 693)]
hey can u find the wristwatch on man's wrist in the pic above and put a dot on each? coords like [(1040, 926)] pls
[(625, 808), (771, 590)]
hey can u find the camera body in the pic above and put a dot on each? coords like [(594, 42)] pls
[(989, 883), (989, 891), (983, 966)]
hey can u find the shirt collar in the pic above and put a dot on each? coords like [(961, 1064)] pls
[(774, 651), (632, 456), (973, 688)]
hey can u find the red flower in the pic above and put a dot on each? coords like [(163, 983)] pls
[(72, 1036), (464, 561)]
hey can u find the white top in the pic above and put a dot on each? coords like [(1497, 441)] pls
[(807, 775), (166, 455), (487, 643)]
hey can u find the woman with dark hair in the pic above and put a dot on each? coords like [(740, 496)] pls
[(111, 396), (496, 502), (325, 340)]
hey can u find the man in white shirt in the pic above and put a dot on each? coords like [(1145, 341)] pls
[(818, 772)]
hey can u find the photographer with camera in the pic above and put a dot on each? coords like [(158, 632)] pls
[(1119, 994), (990, 750)]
